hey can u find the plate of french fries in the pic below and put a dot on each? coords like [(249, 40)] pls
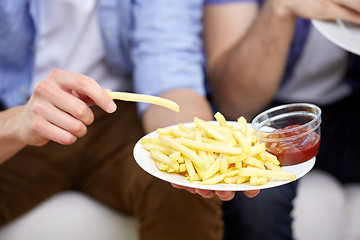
[(214, 155)]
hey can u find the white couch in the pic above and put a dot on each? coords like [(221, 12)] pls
[(71, 215), (323, 210)]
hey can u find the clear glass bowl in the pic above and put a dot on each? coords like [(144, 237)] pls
[(291, 131)]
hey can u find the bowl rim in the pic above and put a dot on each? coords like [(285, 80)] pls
[(256, 126)]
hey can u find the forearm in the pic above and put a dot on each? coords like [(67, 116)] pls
[(9, 143), (191, 104), (247, 75)]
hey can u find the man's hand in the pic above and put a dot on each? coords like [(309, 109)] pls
[(223, 195), (58, 109), (323, 9)]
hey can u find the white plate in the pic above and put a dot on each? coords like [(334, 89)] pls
[(142, 157), (344, 34)]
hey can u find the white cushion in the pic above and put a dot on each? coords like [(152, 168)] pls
[(71, 215), (323, 209), (352, 192), (326, 209)]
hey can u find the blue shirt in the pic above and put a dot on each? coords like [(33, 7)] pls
[(156, 43)]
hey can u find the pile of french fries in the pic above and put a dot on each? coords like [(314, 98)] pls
[(215, 153)]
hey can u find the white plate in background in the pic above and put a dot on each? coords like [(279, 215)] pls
[(344, 34)]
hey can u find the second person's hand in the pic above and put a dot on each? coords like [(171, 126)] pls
[(223, 195), (322, 9)]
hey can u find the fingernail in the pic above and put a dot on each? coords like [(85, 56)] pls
[(111, 107)]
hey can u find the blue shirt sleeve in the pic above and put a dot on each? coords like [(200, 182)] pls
[(17, 32), (167, 48), (226, 1)]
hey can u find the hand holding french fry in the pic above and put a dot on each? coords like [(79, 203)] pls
[(58, 110)]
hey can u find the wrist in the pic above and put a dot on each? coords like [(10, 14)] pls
[(9, 126), (9, 140), (283, 9)]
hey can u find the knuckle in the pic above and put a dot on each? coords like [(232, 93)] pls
[(79, 129), (36, 134), (36, 127), (55, 73), (83, 81), (84, 114), (81, 111), (41, 89), (90, 119), (37, 110), (68, 139)]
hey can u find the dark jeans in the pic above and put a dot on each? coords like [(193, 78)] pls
[(265, 217)]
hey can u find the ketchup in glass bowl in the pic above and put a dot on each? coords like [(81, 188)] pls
[(291, 132)]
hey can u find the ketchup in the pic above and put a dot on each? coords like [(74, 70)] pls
[(296, 150)]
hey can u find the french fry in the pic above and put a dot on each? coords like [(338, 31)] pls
[(213, 169), (210, 130), (242, 125), (202, 154), (150, 140), (272, 166), (244, 143), (183, 149), (153, 146), (224, 164), (257, 181), (243, 179), (190, 169), (231, 180), (211, 147), (161, 166), (266, 156), (254, 162), (256, 172), (220, 119), (186, 129), (180, 133), (183, 167), (236, 159), (214, 180), (134, 97), (175, 156), (257, 149), (157, 155)]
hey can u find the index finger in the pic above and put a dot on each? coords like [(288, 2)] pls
[(87, 86)]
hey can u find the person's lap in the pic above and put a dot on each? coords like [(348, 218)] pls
[(101, 165)]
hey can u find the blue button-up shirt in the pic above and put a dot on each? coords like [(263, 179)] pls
[(156, 43)]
